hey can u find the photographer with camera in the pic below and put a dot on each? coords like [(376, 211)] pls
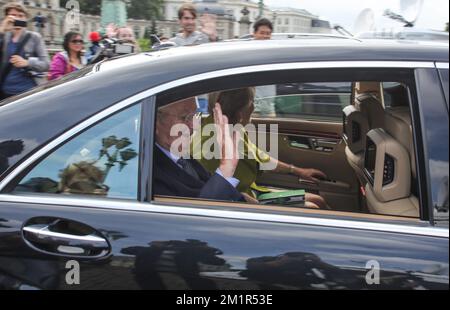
[(117, 42), (22, 53)]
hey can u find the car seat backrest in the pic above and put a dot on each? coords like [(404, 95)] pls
[(398, 125)]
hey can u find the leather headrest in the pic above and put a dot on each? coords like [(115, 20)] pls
[(356, 127), (398, 125), (368, 87), (371, 107)]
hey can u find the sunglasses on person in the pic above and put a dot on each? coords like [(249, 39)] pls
[(77, 41)]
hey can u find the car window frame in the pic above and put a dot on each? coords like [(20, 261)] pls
[(70, 135), (443, 75), (426, 112), (219, 84), (187, 81)]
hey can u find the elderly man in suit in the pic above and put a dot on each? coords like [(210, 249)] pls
[(180, 176)]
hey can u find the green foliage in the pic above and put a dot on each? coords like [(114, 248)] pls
[(144, 44), (145, 9)]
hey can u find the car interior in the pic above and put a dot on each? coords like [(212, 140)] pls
[(366, 151)]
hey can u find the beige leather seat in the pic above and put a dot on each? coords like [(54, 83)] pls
[(398, 125), (366, 113), (395, 198)]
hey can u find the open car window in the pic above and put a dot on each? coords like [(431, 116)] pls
[(343, 146), (315, 101)]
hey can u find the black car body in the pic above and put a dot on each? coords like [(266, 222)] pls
[(146, 243)]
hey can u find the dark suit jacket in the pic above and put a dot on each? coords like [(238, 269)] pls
[(170, 180)]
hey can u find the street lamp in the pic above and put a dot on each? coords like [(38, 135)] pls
[(261, 9)]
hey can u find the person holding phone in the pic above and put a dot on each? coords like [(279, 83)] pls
[(22, 53)]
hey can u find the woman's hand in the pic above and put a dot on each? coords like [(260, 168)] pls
[(228, 142), (250, 199), (111, 31), (19, 62), (312, 175)]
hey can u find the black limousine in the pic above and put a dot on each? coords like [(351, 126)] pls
[(78, 208)]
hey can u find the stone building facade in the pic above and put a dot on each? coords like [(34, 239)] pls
[(228, 13)]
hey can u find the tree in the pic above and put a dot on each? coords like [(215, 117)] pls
[(145, 9)]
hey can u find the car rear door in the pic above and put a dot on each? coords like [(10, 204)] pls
[(162, 246)]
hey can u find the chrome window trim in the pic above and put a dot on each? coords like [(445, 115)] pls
[(200, 77), (121, 205), (442, 65)]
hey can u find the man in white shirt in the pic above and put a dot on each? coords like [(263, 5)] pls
[(187, 16), (265, 95)]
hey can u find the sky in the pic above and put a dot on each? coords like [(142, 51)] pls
[(434, 13)]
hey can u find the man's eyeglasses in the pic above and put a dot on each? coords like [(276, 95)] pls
[(77, 41)]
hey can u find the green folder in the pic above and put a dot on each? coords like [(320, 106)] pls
[(286, 198)]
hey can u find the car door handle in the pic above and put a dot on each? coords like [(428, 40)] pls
[(325, 145), (43, 238)]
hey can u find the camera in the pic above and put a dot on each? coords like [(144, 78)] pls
[(158, 45), (111, 48), (20, 23)]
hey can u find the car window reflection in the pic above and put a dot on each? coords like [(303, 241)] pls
[(9, 149), (103, 161)]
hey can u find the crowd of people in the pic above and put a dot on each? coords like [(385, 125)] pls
[(25, 61), (24, 58)]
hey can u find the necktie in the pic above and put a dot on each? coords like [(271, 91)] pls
[(188, 167)]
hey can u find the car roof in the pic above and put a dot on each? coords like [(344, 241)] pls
[(59, 107), (257, 52), (301, 35)]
